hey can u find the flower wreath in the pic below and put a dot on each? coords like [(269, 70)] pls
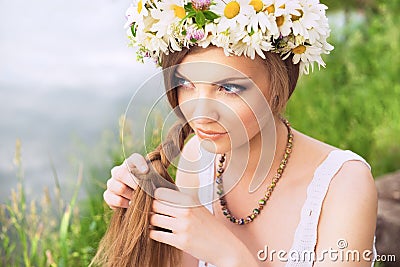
[(241, 27)]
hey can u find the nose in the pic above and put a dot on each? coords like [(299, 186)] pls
[(205, 110), (205, 106)]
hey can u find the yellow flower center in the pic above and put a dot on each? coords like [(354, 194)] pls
[(178, 11), (280, 20), (282, 6), (231, 9), (139, 6), (271, 9), (299, 50), (257, 4), (294, 17)]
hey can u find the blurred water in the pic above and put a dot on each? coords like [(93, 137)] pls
[(66, 74)]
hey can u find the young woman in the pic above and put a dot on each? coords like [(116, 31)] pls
[(309, 203)]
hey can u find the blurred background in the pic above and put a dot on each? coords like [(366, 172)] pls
[(67, 75)]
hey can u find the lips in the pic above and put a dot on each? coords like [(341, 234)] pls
[(206, 134)]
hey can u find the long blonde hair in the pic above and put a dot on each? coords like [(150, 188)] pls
[(126, 241)]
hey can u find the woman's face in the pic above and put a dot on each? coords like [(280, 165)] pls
[(223, 98)]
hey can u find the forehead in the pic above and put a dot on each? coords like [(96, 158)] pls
[(211, 64)]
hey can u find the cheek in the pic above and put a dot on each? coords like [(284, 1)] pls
[(248, 120), (186, 109)]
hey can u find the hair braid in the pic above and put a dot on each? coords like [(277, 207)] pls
[(127, 242), (162, 156)]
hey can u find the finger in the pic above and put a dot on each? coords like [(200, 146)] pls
[(115, 201), (119, 188), (129, 179), (122, 174), (174, 197), (167, 209), (136, 161), (163, 237), (163, 221)]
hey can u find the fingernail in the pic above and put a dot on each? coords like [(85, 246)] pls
[(129, 203), (143, 168)]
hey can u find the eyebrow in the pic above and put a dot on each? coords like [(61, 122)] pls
[(220, 81)]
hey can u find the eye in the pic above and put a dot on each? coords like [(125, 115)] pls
[(231, 88), (183, 83)]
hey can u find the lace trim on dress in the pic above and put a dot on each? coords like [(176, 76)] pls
[(305, 236)]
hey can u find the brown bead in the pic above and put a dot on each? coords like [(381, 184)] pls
[(262, 202)]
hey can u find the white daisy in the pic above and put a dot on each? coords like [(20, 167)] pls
[(244, 27), (232, 13), (135, 13), (280, 7), (166, 12), (306, 19), (307, 55), (284, 24), (281, 11), (223, 40), (319, 32), (210, 31), (258, 19), (249, 45), (154, 45)]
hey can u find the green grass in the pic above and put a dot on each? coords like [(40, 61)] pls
[(49, 231), (355, 103)]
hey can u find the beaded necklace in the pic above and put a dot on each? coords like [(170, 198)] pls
[(267, 195)]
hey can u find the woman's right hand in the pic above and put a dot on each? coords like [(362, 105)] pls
[(122, 182)]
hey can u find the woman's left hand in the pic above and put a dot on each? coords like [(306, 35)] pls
[(195, 230)]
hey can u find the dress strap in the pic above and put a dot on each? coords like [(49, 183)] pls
[(206, 179), (206, 186), (305, 237)]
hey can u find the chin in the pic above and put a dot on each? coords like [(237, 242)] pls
[(216, 147), (222, 146)]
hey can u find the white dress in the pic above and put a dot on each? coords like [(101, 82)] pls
[(305, 236)]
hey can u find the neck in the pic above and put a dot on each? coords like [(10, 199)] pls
[(256, 161)]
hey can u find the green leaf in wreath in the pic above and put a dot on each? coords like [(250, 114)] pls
[(189, 15), (200, 19), (133, 30), (189, 7), (210, 15)]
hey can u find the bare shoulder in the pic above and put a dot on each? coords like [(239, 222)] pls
[(349, 209), (353, 182), (349, 212), (353, 187), (311, 145)]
